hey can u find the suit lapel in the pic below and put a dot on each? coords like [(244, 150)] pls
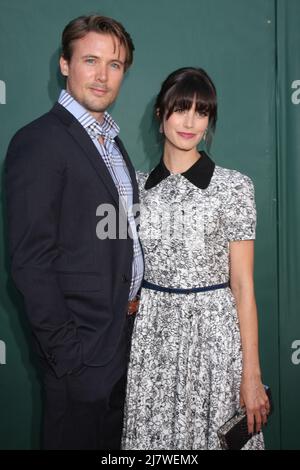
[(91, 152), (82, 138), (84, 141)]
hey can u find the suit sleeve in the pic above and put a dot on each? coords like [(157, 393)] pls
[(34, 181)]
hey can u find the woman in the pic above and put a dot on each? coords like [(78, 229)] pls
[(194, 356)]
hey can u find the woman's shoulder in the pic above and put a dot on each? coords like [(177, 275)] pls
[(232, 178), (141, 178)]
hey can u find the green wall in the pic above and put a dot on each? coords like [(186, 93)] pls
[(251, 51), (288, 157)]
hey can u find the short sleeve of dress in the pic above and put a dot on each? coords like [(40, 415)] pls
[(240, 210)]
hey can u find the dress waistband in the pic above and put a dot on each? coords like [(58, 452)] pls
[(171, 290)]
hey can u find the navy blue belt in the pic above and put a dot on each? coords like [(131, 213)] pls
[(193, 290)]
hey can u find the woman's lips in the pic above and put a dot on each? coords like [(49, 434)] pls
[(186, 135)]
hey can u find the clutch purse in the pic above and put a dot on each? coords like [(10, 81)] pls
[(234, 434)]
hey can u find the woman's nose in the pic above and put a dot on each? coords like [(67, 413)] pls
[(189, 119)]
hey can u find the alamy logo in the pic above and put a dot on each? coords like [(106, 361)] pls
[(296, 94), (296, 354), (2, 353), (166, 224), (2, 92)]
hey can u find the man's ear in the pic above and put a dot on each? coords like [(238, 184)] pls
[(64, 66)]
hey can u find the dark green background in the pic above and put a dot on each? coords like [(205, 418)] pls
[(251, 50)]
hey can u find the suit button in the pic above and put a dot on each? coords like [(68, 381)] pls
[(125, 278)]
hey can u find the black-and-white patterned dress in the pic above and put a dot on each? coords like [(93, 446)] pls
[(186, 362)]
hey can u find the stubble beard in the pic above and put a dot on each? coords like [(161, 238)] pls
[(96, 105)]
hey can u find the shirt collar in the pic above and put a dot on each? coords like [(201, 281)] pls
[(200, 173), (107, 127)]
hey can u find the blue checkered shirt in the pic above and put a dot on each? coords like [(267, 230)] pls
[(118, 170)]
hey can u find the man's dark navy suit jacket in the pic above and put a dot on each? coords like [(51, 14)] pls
[(75, 286)]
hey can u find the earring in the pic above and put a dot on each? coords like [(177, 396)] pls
[(161, 131), (204, 135)]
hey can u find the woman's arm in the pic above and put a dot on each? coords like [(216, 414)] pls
[(252, 393)]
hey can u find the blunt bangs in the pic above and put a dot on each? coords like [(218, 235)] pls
[(182, 96)]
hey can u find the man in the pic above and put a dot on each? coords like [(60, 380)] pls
[(60, 170)]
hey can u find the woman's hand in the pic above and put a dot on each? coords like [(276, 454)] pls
[(254, 398)]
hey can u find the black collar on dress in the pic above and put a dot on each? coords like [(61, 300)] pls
[(200, 173)]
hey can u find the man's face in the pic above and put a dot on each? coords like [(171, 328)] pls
[(95, 71)]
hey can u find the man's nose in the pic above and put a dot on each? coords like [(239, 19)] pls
[(101, 73)]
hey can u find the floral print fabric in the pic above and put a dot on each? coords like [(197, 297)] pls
[(186, 362)]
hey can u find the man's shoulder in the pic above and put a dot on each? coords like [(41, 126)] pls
[(47, 133), (40, 128)]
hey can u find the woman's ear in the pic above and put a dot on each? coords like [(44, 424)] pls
[(158, 115)]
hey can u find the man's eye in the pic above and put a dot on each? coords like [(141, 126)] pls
[(115, 65), (90, 60)]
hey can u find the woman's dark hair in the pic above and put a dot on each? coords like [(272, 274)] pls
[(83, 25), (181, 88)]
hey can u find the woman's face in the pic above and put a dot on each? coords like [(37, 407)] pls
[(185, 128)]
